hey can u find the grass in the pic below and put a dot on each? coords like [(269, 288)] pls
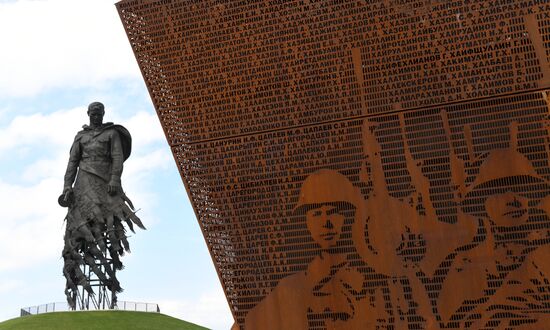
[(98, 320)]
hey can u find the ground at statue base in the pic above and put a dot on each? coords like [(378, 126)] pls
[(98, 320)]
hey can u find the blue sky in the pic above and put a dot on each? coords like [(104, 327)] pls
[(57, 56)]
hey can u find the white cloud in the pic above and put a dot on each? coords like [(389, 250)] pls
[(144, 127), (61, 43), (57, 130), (142, 164), (31, 224), (46, 167), (11, 285), (211, 310), (138, 170), (40, 130)]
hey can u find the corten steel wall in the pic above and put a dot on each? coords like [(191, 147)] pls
[(361, 164)]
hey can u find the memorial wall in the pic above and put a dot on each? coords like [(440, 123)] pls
[(375, 164)]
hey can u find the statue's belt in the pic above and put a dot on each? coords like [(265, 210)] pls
[(96, 158)]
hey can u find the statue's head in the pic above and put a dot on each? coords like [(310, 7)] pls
[(96, 111)]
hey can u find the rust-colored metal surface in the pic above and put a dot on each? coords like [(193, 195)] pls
[(361, 164)]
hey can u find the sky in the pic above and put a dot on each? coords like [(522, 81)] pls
[(56, 57)]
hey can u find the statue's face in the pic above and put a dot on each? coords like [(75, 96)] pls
[(325, 225), (96, 116)]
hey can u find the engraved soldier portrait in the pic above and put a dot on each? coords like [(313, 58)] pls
[(331, 292), (504, 280)]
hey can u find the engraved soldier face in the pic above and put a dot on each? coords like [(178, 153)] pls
[(507, 209), (96, 116), (325, 225)]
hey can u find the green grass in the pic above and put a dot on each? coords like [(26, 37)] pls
[(98, 320)]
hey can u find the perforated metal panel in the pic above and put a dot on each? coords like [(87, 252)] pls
[(361, 164)]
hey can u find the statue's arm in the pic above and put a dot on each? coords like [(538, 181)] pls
[(72, 166), (117, 158)]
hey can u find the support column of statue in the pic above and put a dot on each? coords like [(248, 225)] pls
[(99, 210)]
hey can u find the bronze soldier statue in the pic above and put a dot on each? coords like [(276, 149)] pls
[(95, 235)]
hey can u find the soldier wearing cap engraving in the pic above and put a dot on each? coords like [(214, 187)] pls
[(503, 282)]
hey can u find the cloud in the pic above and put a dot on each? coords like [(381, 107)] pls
[(61, 43), (31, 224), (139, 170), (40, 129), (145, 129), (11, 285), (46, 167), (57, 130)]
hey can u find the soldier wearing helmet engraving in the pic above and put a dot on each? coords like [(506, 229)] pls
[(331, 292)]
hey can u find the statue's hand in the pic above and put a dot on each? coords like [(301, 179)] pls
[(68, 194), (113, 188)]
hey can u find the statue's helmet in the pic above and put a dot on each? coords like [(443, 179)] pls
[(504, 170), (96, 105), (326, 187)]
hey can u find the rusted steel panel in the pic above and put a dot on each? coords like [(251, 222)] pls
[(361, 164)]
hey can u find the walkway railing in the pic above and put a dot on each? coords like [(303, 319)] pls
[(63, 307)]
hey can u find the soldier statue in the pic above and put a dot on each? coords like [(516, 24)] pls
[(98, 209)]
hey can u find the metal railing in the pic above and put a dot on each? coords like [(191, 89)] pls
[(64, 307)]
